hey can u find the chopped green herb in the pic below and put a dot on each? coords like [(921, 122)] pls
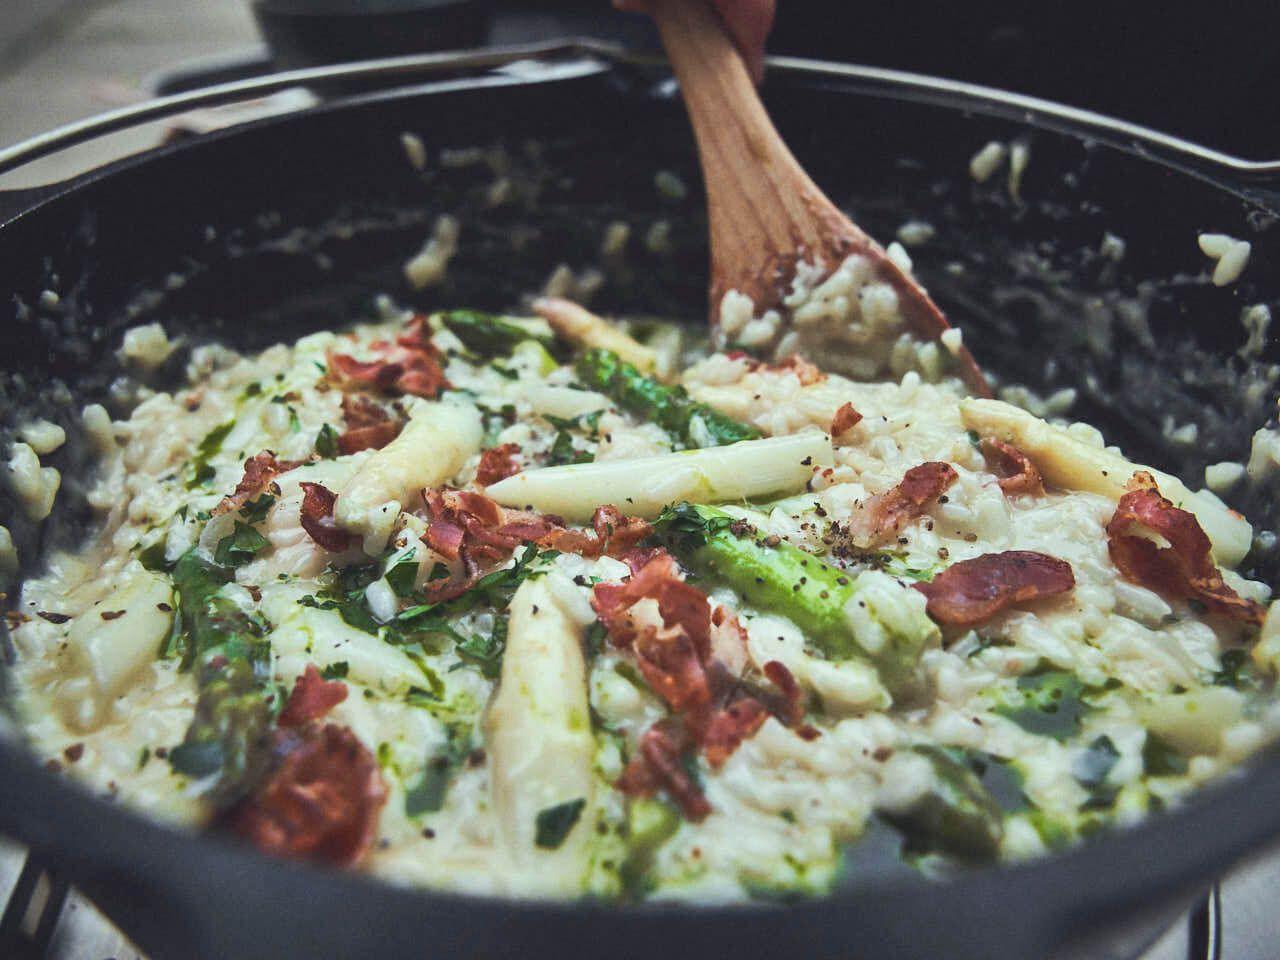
[(1047, 702), (327, 442), (403, 573), (594, 638), (201, 472), (144, 757), (486, 652), (554, 823), (1161, 759), (239, 547), (428, 794), (255, 511), (336, 671), (153, 557)]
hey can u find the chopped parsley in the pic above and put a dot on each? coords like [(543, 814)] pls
[(201, 471), (327, 442), (255, 511), (427, 794), (554, 823), (238, 548), (336, 671)]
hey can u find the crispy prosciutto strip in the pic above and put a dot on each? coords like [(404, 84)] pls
[(316, 517), (322, 801), (730, 727), (460, 518), (410, 365), (1184, 569), (259, 472), (970, 591), (369, 426), (692, 657), (498, 463), (846, 418), (312, 697), (657, 765), (881, 516), (807, 373), (1017, 474)]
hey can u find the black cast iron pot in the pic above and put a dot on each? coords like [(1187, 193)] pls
[(278, 227)]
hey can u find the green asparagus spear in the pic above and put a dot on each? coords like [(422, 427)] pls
[(958, 816), (490, 335), (886, 629), (696, 424), (233, 716)]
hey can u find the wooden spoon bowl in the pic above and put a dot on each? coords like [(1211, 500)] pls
[(767, 217)]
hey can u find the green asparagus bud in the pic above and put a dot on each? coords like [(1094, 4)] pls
[(696, 424), (229, 732), (887, 625), (490, 335), (958, 816)]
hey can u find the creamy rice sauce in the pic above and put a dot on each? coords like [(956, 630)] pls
[(524, 773)]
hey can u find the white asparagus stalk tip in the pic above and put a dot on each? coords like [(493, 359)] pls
[(1074, 465), (579, 325)]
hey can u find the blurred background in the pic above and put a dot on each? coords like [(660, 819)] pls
[(1212, 77)]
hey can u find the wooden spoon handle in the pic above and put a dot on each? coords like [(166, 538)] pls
[(764, 210), (765, 214)]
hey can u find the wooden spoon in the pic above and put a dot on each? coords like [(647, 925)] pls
[(766, 215)]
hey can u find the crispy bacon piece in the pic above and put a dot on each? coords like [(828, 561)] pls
[(347, 371), (806, 372), (790, 707), (259, 472), (410, 365), (1182, 570), (614, 534), (680, 604), (498, 463), (692, 657), (312, 697), (369, 427), (970, 591), (656, 765), (322, 801), (881, 516), (845, 419), (460, 518), (731, 726), (317, 517), (1017, 474)]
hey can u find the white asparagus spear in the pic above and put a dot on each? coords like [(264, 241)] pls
[(431, 448), (538, 737), (642, 487)]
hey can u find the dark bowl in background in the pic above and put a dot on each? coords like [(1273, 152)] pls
[(305, 33)]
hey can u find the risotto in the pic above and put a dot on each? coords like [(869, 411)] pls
[(552, 606)]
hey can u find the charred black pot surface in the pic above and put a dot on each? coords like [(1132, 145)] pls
[(266, 232)]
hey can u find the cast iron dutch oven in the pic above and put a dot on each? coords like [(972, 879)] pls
[(275, 228)]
